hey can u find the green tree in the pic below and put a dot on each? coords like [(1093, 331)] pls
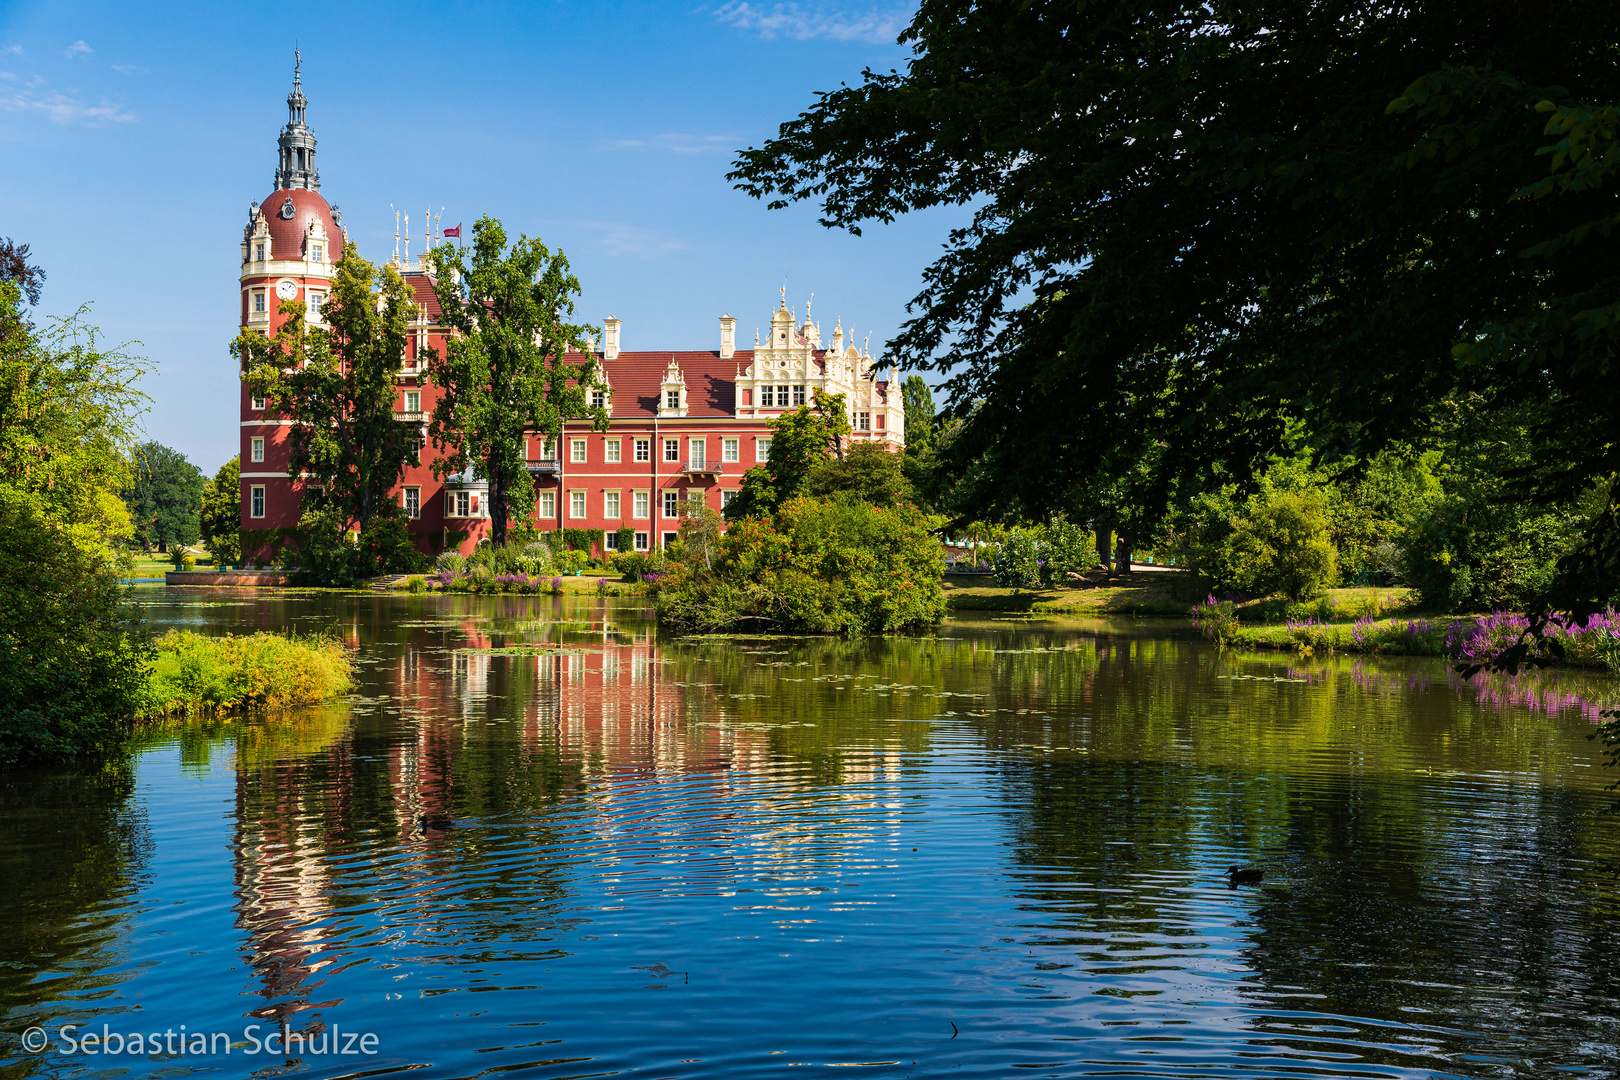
[(801, 441), (221, 517), (868, 471), (72, 651), (164, 497), (337, 385), (919, 405), (1194, 226), (505, 373)]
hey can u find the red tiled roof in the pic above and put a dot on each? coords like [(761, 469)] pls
[(711, 383), (287, 235), (422, 287)]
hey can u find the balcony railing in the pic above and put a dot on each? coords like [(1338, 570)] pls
[(700, 466), (410, 416), (542, 468)]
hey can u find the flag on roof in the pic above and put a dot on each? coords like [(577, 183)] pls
[(455, 232)]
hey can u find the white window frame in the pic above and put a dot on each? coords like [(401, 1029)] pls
[(461, 503), (548, 450), (613, 452), (610, 505), (798, 395), (641, 504), (729, 450), (256, 448), (577, 507), (258, 302), (672, 399), (256, 501), (672, 503), (762, 449), (697, 451), (314, 301), (256, 402), (317, 253), (413, 401), (610, 540), (578, 452), (548, 505), (643, 449), (411, 500), (258, 252), (863, 421), (598, 399), (726, 495), (670, 538), (672, 450), (643, 541)]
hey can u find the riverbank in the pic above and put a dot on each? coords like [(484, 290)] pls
[(197, 676)]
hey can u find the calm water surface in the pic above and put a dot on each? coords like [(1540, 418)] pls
[(994, 851)]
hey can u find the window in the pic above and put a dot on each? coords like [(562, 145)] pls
[(576, 451), (782, 396), (610, 504), (315, 253), (256, 501), (672, 399), (726, 497), (463, 504), (669, 538), (612, 453), (598, 399), (548, 450), (413, 502), (258, 301), (316, 299), (610, 541), (672, 449), (413, 401), (672, 505), (258, 252), (798, 395), (863, 421), (548, 504), (257, 401), (641, 541), (639, 505), (728, 450), (643, 449), (697, 451), (576, 504), (695, 495), (256, 448), (762, 449)]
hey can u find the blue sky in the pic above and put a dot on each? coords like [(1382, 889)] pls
[(135, 137)]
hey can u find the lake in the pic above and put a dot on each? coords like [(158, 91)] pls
[(995, 850)]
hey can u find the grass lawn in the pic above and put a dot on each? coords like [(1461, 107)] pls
[(1146, 592)]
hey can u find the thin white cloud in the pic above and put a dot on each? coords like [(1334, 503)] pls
[(62, 109), (617, 238), (10, 50), (78, 48), (130, 69), (878, 25), (680, 143)]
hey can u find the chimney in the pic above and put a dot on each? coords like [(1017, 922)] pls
[(728, 337), (610, 335)]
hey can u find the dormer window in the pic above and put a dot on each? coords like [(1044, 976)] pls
[(258, 252), (315, 253), (598, 399), (672, 399)]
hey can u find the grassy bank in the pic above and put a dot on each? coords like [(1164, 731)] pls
[(1145, 593), (193, 675)]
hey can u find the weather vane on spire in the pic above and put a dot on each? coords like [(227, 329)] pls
[(298, 61)]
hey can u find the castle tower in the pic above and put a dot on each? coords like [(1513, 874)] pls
[(289, 245)]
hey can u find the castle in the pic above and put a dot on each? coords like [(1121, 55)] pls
[(684, 425)]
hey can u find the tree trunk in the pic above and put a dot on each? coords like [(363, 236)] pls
[(1105, 531), (1122, 553), (496, 508)]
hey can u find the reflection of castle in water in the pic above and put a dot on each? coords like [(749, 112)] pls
[(475, 727)]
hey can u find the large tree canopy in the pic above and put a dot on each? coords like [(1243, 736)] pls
[(1198, 227), (164, 496)]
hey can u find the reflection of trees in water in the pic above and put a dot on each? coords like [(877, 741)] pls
[(1473, 906), (72, 847)]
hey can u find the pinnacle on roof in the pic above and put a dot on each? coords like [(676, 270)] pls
[(296, 164)]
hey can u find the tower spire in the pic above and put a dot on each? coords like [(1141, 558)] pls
[(296, 165)]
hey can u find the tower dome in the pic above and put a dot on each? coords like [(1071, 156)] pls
[(296, 205)]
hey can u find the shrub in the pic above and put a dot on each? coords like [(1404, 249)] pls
[(624, 540), (1067, 548), (839, 566), (385, 546), (1469, 556), (1282, 546), (1216, 619), (451, 561), (72, 649), (572, 562), (1017, 561), (196, 675)]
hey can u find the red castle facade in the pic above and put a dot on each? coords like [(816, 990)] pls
[(683, 424)]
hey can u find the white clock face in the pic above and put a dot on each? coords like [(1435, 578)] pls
[(287, 290)]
